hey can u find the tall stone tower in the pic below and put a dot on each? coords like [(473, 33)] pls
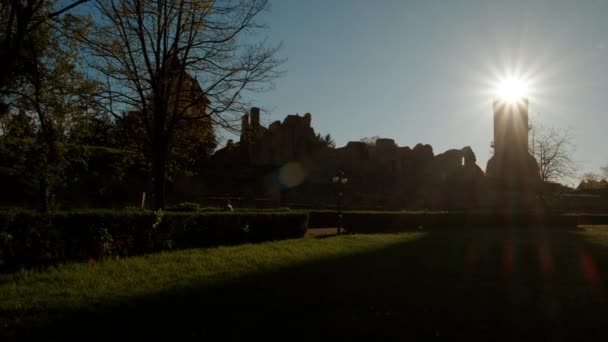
[(511, 162), (511, 127)]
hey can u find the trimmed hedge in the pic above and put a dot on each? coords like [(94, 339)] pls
[(193, 206), (30, 239), (329, 218), (382, 222), (397, 221), (593, 220), (322, 218)]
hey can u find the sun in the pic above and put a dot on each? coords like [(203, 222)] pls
[(512, 89)]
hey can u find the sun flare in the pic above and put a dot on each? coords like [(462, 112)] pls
[(512, 89)]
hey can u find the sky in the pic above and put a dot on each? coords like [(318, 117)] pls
[(425, 71)]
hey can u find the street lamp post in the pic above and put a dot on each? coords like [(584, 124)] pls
[(339, 180)]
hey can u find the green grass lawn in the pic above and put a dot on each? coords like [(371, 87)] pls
[(483, 284)]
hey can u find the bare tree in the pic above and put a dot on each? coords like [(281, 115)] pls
[(154, 52), (590, 177), (591, 181), (604, 170), (552, 149)]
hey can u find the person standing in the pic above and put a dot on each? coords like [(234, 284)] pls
[(228, 206)]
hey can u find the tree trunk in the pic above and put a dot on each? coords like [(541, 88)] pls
[(53, 157), (159, 172), (43, 199)]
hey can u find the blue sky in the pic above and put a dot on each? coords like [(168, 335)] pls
[(422, 71)]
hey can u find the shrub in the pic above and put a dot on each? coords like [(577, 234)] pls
[(30, 238)]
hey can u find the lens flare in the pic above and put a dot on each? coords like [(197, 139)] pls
[(512, 89), (291, 175)]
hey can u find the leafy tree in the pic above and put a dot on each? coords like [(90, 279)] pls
[(53, 93), (148, 52), (20, 24), (193, 143), (552, 149), (18, 125), (326, 140), (95, 129)]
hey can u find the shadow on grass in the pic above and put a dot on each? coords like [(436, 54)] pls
[(482, 284)]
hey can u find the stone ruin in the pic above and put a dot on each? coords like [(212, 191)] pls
[(287, 163)]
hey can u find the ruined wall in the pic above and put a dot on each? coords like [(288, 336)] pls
[(286, 161)]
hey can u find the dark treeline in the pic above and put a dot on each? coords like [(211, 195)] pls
[(120, 94)]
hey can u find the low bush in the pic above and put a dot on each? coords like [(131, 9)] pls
[(322, 218), (30, 238), (193, 206), (185, 206)]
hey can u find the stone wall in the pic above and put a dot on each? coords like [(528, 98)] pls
[(287, 162)]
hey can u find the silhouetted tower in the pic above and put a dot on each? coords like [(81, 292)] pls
[(250, 124), (511, 128), (255, 117), (512, 161)]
